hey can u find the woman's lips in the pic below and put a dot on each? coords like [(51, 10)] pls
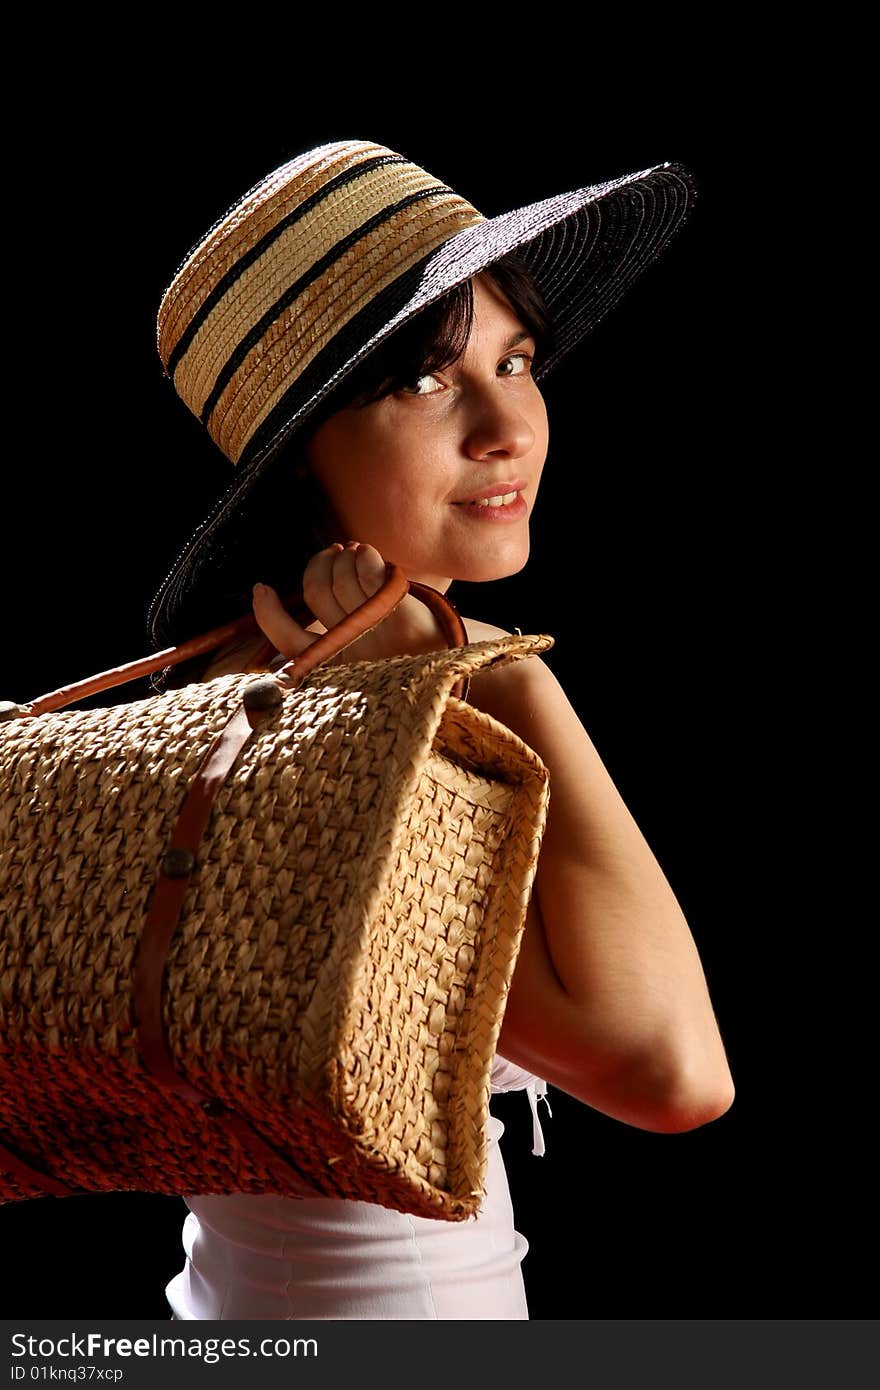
[(494, 487), (513, 511)]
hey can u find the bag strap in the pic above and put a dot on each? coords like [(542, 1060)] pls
[(367, 616)]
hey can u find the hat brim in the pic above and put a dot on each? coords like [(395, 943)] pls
[(584, 249)]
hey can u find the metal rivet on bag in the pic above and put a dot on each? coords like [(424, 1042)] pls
[(10, 710), (264, 693), (177, 863)]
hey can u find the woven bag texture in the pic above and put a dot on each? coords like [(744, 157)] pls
[(339, 970)]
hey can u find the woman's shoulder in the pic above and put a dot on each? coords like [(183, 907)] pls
[(483, 632)]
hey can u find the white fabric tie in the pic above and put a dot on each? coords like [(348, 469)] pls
[(506, 1076), (537, 1090)]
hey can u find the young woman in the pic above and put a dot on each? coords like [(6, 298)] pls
[(366, 348)]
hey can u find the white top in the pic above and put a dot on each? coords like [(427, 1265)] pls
[(325, 1258)]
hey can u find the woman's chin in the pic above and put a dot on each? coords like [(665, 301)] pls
[(482, 569), (475, 566)]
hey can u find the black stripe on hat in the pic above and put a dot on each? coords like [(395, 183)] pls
[(296, 289), (342, 346), (241, 265)]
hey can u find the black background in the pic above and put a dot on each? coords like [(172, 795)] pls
[(661, 563)]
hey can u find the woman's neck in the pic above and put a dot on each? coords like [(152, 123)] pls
[(246, 654)]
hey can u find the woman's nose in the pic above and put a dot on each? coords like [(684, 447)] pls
[(499, 427)]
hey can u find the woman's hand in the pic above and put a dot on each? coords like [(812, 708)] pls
[(336, 581)]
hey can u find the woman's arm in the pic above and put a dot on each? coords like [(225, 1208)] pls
[(608, 1000)]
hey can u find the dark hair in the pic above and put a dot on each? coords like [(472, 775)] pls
[(439, 335), (286, 518)]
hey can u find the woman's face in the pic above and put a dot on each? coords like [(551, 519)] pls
[(399, 472)]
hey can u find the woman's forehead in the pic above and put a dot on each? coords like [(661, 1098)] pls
[(489, 298)]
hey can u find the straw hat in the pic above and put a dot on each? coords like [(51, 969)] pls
[(326, 256)]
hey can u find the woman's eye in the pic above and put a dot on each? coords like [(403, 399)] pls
[(525, 358), (412, 388)]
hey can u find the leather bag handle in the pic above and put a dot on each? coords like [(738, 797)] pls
[(367, 616)]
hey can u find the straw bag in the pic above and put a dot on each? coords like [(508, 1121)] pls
[(256, 933)]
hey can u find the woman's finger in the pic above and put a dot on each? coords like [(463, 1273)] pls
[(283, 631), (318, 586), (371, 569), (332, 586), (349, 590)]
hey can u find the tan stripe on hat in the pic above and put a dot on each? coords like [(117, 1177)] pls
[(244, 226), (285, 260)]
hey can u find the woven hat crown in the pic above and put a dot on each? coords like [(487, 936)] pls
[(297, 261)]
